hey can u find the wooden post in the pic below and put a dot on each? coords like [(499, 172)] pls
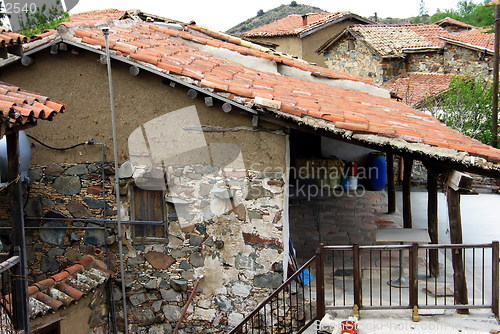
[(20, 286), (357, 281), (432, 219), (455, 219), (495, 281), (413, 284), (320, 283), (408, 166), (391, 188)]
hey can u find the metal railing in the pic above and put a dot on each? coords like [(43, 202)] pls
[(403, 276), (431, 276), (6, 284), (292, 307)]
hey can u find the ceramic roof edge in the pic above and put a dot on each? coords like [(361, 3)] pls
[(461, 158), (468, 45)]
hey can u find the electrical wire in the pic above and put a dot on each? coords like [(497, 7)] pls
[(59, 148)]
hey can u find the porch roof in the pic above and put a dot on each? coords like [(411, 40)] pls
[(340, 104)]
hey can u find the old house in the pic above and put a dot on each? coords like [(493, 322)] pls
[(211, 129), (301, 35), (453, 25), (383, 52)]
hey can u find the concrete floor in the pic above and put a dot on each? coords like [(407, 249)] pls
[(481, 224)]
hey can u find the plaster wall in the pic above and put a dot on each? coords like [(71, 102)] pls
[(80, 81), (233, 228)]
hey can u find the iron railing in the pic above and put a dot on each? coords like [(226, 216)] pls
[(6, 284), (292, 307), (431, 276), (401, 276)]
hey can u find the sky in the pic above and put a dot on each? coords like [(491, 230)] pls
[(224, 14)]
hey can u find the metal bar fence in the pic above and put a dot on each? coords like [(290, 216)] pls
[(400, 277), (292, 307), (6, 283)]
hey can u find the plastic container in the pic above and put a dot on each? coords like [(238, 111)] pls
[(377, 171)]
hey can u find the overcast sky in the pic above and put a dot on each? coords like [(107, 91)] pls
[(224, 14)]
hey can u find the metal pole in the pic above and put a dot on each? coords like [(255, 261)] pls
[(105, 31), (20, 293), (494, 111)]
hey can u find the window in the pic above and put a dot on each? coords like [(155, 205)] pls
[(148, 205)]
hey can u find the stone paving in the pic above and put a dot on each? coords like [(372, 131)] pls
[(342, 218)]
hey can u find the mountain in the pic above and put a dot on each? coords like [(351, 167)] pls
[(272, 15)]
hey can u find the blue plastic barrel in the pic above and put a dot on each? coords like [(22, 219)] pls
[(377, 171)]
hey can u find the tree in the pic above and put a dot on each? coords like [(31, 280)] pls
[(466, 107), (293, 4), (260, 12), (32, 23), (468, 12)]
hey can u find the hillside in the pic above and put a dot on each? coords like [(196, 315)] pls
[(273, 15)]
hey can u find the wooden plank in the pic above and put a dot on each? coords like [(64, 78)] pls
[(391, 187), (408, 165), (460, 285)]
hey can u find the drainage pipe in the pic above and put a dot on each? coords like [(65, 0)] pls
[(190, 299), (105, 32)]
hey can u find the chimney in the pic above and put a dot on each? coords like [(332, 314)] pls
[(304, 20)]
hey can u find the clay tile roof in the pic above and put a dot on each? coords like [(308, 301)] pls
[(449, 21), (65, 287), (415, 88), (294, 24), (394, 40), (344, 104), (19, 107), (477, 38)]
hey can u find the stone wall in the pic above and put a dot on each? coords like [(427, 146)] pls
[(425, 62), (354, 57), (351, 56), (229, 229), (459, 60)]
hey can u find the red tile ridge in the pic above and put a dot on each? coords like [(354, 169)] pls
[(85, 260), (46, 299), (45, 284), (70, 291), (60, 276), (74, 269)]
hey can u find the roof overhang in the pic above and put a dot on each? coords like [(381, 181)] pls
[(468, 46), (349, 16)]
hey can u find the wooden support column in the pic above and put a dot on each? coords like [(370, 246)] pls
[(20, 280), (455, 219), (391, 187), (432, 218), (408, 166)]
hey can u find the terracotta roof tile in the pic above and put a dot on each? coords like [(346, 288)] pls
[(187, 53), (293, 25), (19, 107), (65, 287), (480, 38), (449, 21), (393, 40), (415, 88)]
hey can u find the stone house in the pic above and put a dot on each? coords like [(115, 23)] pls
[(301, 35), (385, 52), (211, 128)]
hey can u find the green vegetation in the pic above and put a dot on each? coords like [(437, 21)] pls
[(466, 107), (41, 20), (476, 14)]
